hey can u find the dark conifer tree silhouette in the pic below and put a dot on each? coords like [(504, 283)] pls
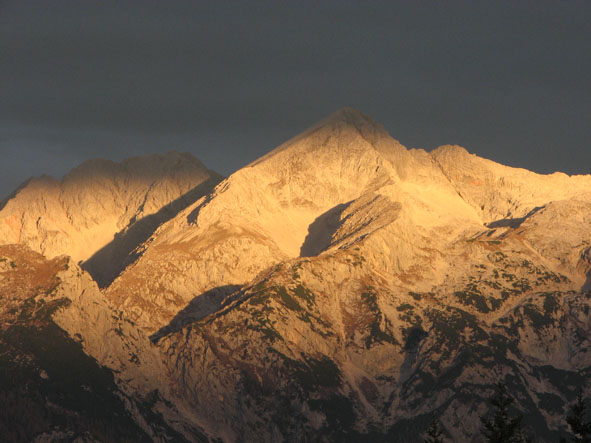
[(434, 433), (501, 427), (579, 424)]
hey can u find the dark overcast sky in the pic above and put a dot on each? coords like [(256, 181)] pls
[(228, 81)]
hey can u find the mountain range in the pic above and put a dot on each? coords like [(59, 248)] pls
[(340, 288)]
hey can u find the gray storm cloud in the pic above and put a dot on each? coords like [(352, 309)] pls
[(228, 81)]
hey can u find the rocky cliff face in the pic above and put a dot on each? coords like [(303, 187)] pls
[(289, 204), (344, 288)]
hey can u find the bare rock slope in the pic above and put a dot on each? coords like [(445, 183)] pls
[(289, 204)]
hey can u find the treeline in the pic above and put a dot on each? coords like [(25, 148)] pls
[(500, 426)]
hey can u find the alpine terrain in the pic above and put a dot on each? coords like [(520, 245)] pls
[(340, 288)]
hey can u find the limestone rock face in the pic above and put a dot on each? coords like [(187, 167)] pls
[(100, 211), (291, 203), (500, 192)]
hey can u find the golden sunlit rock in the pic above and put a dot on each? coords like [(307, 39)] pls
[(340, 287)]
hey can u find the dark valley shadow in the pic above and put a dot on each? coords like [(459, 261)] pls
[(108, 262), (192, 217), (201, 306), (415, 336), (587, 285), (585, 265), (321, 230), (513, 223)]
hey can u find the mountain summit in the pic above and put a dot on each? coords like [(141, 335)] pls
[(302, 198), (101, 210), (347, 116)]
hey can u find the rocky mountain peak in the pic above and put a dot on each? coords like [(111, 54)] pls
[(350, 117), (329, 187), (453, 151), (344, 133), (102, 203), (150, 167)]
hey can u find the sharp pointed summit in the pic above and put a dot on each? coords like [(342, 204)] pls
[(305, 197), (344, 132), (349, 116)]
